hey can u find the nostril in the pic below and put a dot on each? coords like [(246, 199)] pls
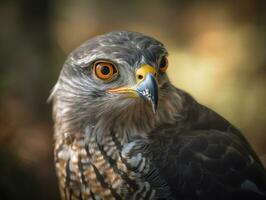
[(140, 77)]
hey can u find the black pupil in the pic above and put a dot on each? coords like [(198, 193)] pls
[(163, 62), (105, 70)]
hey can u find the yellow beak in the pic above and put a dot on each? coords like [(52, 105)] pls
[(146, 86)]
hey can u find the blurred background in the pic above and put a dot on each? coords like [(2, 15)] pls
[(216, 53)]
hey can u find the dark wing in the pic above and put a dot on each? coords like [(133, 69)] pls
[(208, 164)]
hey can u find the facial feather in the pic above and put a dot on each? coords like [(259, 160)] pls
[(81, 100)]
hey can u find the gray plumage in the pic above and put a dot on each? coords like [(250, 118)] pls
[(109, 146)]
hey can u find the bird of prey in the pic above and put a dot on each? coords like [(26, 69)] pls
[(123, 131)]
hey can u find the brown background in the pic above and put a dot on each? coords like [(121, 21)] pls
[(217, 53)]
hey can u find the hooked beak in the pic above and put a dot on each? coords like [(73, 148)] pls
[(146, 87), (148, 90)]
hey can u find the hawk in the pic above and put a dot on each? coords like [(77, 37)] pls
[(123, 131)]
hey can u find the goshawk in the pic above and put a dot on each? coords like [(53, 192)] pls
[(123, 131)]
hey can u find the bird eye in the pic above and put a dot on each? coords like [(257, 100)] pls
[(163, 64), (104, 70)]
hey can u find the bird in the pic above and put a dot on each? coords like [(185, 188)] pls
[(122, 130)]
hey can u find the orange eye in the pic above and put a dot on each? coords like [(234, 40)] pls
[(163, 64), (104, 70)]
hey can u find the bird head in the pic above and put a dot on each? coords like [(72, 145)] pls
[(118, 75)]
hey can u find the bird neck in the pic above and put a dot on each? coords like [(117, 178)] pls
[(137, 121)]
